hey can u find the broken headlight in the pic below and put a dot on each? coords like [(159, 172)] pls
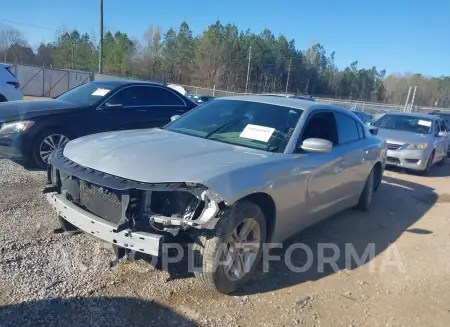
[(177, 204)]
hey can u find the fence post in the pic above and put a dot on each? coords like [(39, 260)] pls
[(43, 79), (15, 68), (214, 90), (68, 81)]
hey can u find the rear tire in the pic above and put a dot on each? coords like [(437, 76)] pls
[(209, 251), (365, 198), (42, 148), (2, 98)]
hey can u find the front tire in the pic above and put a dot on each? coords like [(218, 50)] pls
[(226, 260), (46, 143), (429, 165)]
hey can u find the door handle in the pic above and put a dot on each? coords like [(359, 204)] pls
[(180, 110), (339, 167)]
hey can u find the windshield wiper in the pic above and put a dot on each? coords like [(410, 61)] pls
[(224, 125)]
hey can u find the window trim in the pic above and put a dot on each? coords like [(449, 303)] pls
[(307, 119), (337, 130), (99, 107)]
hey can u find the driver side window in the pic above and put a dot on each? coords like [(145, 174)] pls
[(320, 125)]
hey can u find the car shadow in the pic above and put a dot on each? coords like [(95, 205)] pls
[(394, 209), (91, 311)]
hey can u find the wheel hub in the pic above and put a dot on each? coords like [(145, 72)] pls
[(50, 144), (242, 249)]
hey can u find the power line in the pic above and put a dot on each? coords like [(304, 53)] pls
[(29, 25)]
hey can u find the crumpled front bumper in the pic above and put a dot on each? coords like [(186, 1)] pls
[(104, 230)]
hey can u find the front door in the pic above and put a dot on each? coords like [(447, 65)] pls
[(323, 184), (135, 107)]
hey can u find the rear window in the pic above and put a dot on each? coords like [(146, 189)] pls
[(8, 68)]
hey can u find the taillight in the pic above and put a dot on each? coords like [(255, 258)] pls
[(15, 84)]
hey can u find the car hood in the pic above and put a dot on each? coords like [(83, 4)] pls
[(23, 109), (402, 137), (158, 156)]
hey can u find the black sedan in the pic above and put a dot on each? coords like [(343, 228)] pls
[(31, 130)]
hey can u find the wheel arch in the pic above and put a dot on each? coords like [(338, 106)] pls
[(268, 207), (378, 171)]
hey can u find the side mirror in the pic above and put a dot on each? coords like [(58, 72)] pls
[(443, 134), (317, 145), (174, 117), (373, 130), (111, 106)]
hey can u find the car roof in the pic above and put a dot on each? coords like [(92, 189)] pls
[(282, 101), (125, 82), (411, 114), (439, 113)]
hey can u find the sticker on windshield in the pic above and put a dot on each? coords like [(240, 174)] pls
[(258, 133), (424, 123), (101, 92)]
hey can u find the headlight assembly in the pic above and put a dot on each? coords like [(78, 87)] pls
[(16, 127), (418, 146)]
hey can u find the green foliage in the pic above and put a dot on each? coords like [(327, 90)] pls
[(219, 57)]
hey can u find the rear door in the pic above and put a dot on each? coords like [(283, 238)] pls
[(441, 141), (354, 170), (156, 104)]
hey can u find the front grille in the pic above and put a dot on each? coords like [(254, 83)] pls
[(394, 147), (101, 201)]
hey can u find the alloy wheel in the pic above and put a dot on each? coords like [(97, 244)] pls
[(50, 144), (242, 249)]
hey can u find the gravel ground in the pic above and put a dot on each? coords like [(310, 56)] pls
[(49, 279)]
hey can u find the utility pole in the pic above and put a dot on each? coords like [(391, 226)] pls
[(412, 100), (248, 67), (407, 99), (100, 57), (289, 73)]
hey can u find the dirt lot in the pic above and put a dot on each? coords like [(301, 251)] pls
[(66, 281)]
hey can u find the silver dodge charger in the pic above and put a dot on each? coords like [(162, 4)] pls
[(227, 177)]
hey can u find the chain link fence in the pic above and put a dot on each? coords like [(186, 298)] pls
[(50, 82)]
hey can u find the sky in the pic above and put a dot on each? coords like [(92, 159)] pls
[(401, 36)]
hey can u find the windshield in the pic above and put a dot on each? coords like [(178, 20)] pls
[(405, 123), (249, 124), (87, 94)]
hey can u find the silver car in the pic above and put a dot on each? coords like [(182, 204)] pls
[(230, 176), (415, 141)]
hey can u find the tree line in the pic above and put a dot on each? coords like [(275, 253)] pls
[(220, 57)]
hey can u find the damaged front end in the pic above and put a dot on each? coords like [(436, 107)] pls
[(108, 206)]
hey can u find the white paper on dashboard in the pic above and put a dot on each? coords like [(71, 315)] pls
[(258, 133), (424, 123), (101, 92)]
